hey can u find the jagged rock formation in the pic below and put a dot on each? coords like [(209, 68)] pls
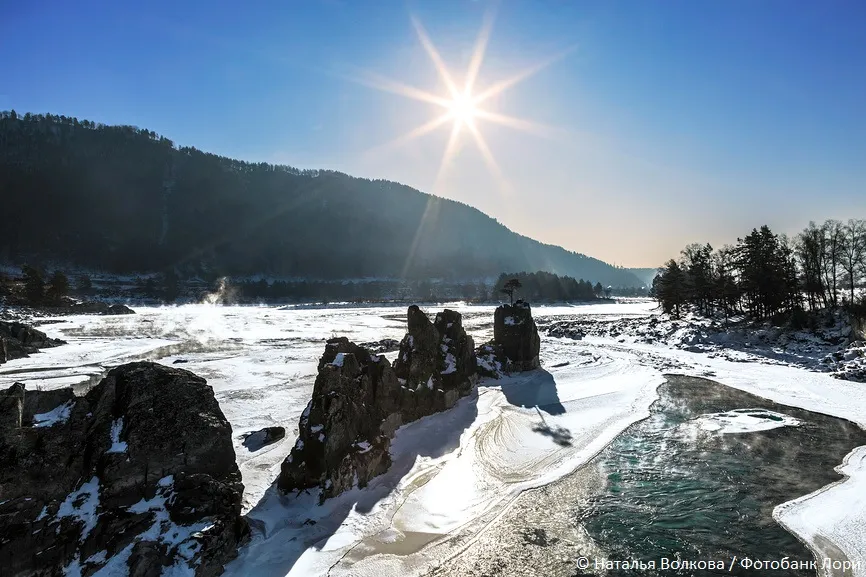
[(340, 442), (18, 340), (140, 473), (516, 343), (359, 400)]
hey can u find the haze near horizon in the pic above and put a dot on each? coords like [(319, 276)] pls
[(619, 130)]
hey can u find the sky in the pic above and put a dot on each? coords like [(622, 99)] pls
[(645, 125)]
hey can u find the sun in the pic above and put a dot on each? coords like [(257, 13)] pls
[(462, 105), (462, 109)]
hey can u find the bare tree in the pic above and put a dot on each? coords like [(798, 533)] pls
[(810, 253), (833, 239), (853, 252)]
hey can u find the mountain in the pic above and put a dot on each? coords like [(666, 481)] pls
[(124, 199), (646, 275)]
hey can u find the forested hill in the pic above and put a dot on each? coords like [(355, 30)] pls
[(125, 199)]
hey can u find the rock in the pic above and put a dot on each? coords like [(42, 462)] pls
[(18, 340), (11, 408), (142, 467), (339, 431), (359, 401), (263, 437), (382, 346), (514, 330), (98, 308), (436, 364), (491, 360)]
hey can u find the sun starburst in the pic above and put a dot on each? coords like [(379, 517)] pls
[(462, 106)]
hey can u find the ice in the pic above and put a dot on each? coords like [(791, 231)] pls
[(55, 416), (117, 446), (338, 360), (744, 421), (454, 471)]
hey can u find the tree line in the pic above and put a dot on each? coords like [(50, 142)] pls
[(545, 286), (765, 274)]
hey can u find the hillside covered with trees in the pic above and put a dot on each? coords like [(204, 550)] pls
[(123, 199), (765, 274)]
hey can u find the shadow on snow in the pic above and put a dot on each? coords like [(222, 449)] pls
[(284, 527)]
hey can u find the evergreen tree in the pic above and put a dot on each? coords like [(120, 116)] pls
[(34, 285), (58, 286)]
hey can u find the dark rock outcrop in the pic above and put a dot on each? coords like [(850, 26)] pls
[(98, 308), (18, 340), (436, 364), (359, 401), (142, 470), (514, 331), (339, 441), (263, 437)]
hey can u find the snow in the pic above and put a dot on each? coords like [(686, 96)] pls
[(338, 360), (510, 321), (744, 421), (117, 446), (56, 416), (81, 505), (450, 364), (455, 471)]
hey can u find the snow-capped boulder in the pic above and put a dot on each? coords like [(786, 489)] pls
[(491, 361), (340, 442), (515, 332), (140, 473)]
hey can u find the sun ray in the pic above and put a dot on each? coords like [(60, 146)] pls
[(396, 87), (448, 155), (518, 123), (417, 132), (500, 87), (480, 50), (489, 159), (434, 56)]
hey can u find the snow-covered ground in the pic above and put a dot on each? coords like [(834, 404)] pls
[(453, 472)]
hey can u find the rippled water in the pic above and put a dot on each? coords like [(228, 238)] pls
[(679, 486)]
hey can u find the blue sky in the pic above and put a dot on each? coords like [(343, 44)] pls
[(676, 121)]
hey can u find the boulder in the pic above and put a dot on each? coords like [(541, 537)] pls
[(263, 437), (98, 308), (515, 332), (141, 469), (491, 361), (18, 340)]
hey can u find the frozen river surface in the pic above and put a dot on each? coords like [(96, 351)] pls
[(454, 473)]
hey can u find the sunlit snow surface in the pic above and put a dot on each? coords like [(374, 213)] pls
[(452, 472)]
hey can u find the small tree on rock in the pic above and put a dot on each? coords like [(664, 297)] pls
[(509, 289)]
